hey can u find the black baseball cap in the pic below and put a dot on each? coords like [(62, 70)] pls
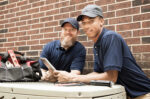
[(91, 11), (72, 21)]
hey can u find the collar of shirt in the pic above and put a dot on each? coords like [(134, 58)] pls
[(58, 46), (99, 39)]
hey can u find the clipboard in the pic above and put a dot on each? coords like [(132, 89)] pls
[(47, 64)]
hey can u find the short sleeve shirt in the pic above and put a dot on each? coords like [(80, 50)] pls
[(112, 53), (71, 59)]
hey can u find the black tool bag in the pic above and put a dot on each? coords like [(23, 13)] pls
[(28, 69)]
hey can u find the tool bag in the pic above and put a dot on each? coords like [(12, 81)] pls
[(14, 67)]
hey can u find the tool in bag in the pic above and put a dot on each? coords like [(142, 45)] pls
[(14, 66)]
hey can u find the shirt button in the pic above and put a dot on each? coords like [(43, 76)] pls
[(95, 46), (96, 54)]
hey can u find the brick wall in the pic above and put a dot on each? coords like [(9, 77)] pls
[(26, 25)]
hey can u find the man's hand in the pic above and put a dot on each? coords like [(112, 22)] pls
[(64, 76), (48, 76)]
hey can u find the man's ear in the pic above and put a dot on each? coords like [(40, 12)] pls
[(101, 22)]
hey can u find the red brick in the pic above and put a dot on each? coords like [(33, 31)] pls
[(3, 12), (72, 2), (128, 11), (141, 48), (129, 26), (132, 41), (49, 18), (11, 6), (82, 38), (32, 21), (9, 25), (2, 35), (8, 44), (88, 44), (1, 26), (9, 35), (44, 41), (143, 32), (104, 9), (120, 20), (33, 42), (145, 8), (21, 13), (48, 7), (141, 17), (35, 10), (146, 57), (21, 23), (10, 15), (24, 28), (50, 35), (37, 26), (2, 8), (36, 47), (1, 17), (13, 39), (52, 12), (81, 6), (62, 16), (119, 6), (45, 30), (110, 27), (1, 45), (22, 33), (138, 57), (109, 14), (13, 29), (31, 32), (67, 9), (21, 3), (3, 49), (14, 19), (52, 23), (39, 36), (58, 28), (37, 15), (14, 10), (62, 4), (89, 58), (51, 1), (120, 0), (75, 14), (20, 43), (25, 17), (41, 3), (12, 1), (89, 50), (125, 34), (146, 24), (26, 7), (24, 38), (104, 2), (3, 21)]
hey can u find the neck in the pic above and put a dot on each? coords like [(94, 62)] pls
[(97, 36)]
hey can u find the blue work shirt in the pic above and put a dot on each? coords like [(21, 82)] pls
[(112, 53), (61, 59)]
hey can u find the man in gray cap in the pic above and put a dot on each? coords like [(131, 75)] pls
[(67, 55), (113, 58)]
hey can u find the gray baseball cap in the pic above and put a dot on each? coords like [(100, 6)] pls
[(72, 21), (90, 11)]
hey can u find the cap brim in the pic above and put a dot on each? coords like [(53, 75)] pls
[(68, 22), (79, 18)]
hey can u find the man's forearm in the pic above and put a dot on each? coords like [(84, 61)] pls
[(97, 76)]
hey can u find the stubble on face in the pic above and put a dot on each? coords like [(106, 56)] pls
[(67, 41)]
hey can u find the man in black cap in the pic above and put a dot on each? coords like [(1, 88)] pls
[(113, 58), (66, 54)]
